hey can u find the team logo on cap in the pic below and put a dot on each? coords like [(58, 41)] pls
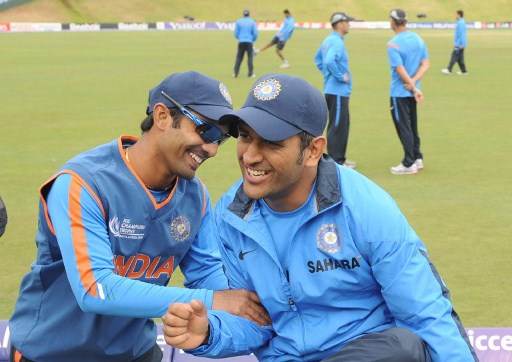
[(328, 238), (225, 93), (267, 89), (180, 228)]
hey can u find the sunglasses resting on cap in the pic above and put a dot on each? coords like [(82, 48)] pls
[(210, 133)]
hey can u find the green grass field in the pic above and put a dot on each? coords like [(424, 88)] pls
[(62, 93)]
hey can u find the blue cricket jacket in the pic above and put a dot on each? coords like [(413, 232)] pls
[(355, 266), (332, 60), (460, 35), (246, 30)]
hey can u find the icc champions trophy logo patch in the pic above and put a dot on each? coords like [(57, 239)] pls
[(180, 228), (328, 238), (224, 91), (267, 89)]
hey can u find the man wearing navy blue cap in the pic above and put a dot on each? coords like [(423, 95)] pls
[(342, 274), (114, 224)]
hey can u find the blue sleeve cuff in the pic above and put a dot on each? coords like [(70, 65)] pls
[(208, 299)]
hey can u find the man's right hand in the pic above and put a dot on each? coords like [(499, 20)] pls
[(185, 325), (242, 303)]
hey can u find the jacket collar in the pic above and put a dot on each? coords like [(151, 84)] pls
[(327, 190)]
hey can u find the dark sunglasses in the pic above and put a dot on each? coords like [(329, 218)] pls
[(210, 133)]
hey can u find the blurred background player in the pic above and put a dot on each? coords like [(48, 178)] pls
[(461, 42), (281, 37), (3, 217), (114, 224), (332, 60), (246, 32), (408, 58)]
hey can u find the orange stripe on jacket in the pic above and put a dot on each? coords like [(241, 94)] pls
[(51, 180), (79, 239), (17, 356), (391, 45)]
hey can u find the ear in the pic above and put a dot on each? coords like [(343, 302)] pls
[(315, 151), (161, 116)]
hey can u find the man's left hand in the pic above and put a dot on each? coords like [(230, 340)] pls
[(243, 303)]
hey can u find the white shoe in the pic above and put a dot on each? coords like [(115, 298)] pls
[(285, 64), (419, 164), (252, 75), (445, 71), (462, 73), (402, 170), (350, 164)]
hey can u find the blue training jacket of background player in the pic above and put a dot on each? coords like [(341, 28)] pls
[(405, 49), (246, 30), (332, 60), (355, 266), (461, 38), (287, 28), (119, 248)]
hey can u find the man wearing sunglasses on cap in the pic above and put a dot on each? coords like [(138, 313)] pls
[(114, 224)]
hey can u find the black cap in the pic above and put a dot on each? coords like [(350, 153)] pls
[(246, 12), (340, 16), (398, 15)]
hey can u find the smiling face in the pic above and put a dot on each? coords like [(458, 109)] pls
[(181, 149), (278, 172)]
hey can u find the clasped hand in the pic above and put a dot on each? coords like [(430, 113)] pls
[(185, 325)]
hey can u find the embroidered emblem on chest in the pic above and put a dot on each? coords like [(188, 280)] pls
[(328, 238), (180, 228)]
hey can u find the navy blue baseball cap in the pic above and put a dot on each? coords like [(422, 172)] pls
[(280, 106), (194, 90)]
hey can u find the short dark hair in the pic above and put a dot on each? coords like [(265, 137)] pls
[(461, 13), (305, 141), (148, 122), (286, 11)]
